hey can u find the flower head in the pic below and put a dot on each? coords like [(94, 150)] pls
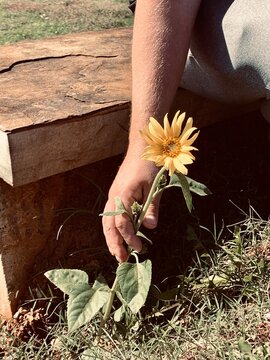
[(168, 146)]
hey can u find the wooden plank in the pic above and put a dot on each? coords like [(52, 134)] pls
[(5, 161), (58, 147)]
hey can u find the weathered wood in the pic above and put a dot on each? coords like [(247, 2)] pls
[(26, 217), (59, 78), (55, 148)]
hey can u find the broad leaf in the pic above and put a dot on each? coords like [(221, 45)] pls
[(180, 180), (66, 279), (134, 281), (119, 313), (194, 186), (84, 303), (100, 282), (197, 187)]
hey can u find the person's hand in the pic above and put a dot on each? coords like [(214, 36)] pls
[(132, 183)]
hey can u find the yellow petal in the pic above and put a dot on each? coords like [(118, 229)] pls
[(153, 150), (151, 138), (175, 129), (189, 154), (185, 158), (179, 123), (187, 126), (186, 149), (169, 165), (156, 129), (160, 160), (167, 127), (179, 166), (184, 137), (192, 139), (145, 135)]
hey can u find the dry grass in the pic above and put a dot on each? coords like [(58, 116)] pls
[(32, 19)]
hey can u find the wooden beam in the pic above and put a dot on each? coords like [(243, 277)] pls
[(50, 149)]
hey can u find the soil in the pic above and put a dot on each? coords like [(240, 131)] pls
[(233, 161)]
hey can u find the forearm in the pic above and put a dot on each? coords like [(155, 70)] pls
[(161, 38)]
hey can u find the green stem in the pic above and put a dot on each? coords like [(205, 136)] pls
[(107, 311), (149, 198)]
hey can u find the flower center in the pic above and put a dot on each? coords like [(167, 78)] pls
[(171, 147)]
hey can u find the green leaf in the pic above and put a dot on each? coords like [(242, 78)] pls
[(66, 279), (194, 186), (140, 234), (119, 204), (180, 180), (197, 187), (120, 209), (119, 313), (215, 280), (84, 303), (100, 282), (174, 181), (134, 281), (248, 278), (244, 347), (112, 213)]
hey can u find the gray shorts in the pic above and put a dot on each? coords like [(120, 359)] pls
[(229, 57)]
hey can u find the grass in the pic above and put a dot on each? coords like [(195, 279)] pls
[(218, 309), (35, 19)]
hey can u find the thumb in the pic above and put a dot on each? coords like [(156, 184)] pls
[(151, 217)]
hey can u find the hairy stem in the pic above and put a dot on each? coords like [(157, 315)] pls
[(107, 311), (149, 198)]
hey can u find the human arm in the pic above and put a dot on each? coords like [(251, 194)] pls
[(161, 38)]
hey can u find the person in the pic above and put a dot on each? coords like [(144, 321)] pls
[(216, 49)]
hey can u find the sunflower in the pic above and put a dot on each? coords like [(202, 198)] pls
[(169, 146)]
